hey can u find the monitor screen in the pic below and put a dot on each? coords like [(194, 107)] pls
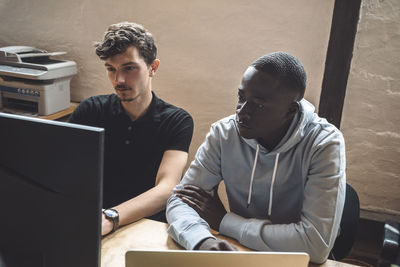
[(51, 181)]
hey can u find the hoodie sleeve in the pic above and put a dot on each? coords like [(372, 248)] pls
[(185, 226), (324, 195)]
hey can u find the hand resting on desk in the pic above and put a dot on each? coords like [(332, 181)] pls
[(209, 206), (215, 244), (206, 204)]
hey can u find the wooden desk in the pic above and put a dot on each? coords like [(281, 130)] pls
[(55, 116), (148, 234), (62, 113)]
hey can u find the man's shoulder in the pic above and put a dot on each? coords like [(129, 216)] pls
[(100, 100), (224, 128), (92, 110), (169, 111), (226, 123), (312, 124), (324, 126), (101, 104), (322, 131)]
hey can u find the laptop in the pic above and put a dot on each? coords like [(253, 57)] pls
[(201, 258)]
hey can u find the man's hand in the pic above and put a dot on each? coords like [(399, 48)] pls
[(207, 205), (106, 225), (215, 244)]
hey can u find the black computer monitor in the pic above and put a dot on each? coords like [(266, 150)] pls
[(51, 181)]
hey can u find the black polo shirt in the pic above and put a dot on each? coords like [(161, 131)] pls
[(134, 149)]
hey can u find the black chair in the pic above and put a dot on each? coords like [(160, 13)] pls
[(348, 225)]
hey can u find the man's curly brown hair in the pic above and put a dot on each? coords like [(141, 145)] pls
[(120, 36)]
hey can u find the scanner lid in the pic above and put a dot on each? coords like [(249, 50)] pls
[(19, 53), (32, 63)]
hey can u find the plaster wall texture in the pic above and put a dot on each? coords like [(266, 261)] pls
[(204, 45), (371, 121)]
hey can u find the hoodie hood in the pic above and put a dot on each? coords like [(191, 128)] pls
[(293, 135)]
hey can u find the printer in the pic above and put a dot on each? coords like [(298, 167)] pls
[(33, 82)]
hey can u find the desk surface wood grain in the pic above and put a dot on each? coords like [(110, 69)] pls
[(148, 234)]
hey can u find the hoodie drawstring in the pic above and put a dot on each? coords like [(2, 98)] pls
[(252, 175), (271, 190)]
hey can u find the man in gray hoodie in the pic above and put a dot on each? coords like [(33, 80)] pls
[(283, 168)]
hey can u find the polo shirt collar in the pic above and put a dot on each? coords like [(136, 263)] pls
[(150, 115)]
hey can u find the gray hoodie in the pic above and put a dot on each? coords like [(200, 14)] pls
[(287, 199)]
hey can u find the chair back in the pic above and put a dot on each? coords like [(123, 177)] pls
[(348, 225)]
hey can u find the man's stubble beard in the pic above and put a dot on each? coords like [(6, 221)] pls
[(118, 88)]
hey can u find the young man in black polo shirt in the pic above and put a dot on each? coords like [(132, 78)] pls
[(146, 139)]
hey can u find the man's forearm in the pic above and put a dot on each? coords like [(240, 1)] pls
[(144, 205)]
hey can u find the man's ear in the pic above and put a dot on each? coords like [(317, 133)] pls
[(294, 108), (154, 66)]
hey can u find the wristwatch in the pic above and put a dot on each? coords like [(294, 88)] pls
[(112, 215)]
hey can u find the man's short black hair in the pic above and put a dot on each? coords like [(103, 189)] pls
[(120, 36), (286, 68)]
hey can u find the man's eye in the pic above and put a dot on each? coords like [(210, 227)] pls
[(129, 68), (110, 69), (259, 106)]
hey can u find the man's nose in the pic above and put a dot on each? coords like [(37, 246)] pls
[(243, 109), (119, 77)]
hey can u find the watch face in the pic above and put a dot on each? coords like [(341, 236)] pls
[(111, 213)]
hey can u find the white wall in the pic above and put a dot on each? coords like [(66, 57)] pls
[(204, 45)]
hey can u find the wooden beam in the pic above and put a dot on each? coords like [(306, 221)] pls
[(338, 59)]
